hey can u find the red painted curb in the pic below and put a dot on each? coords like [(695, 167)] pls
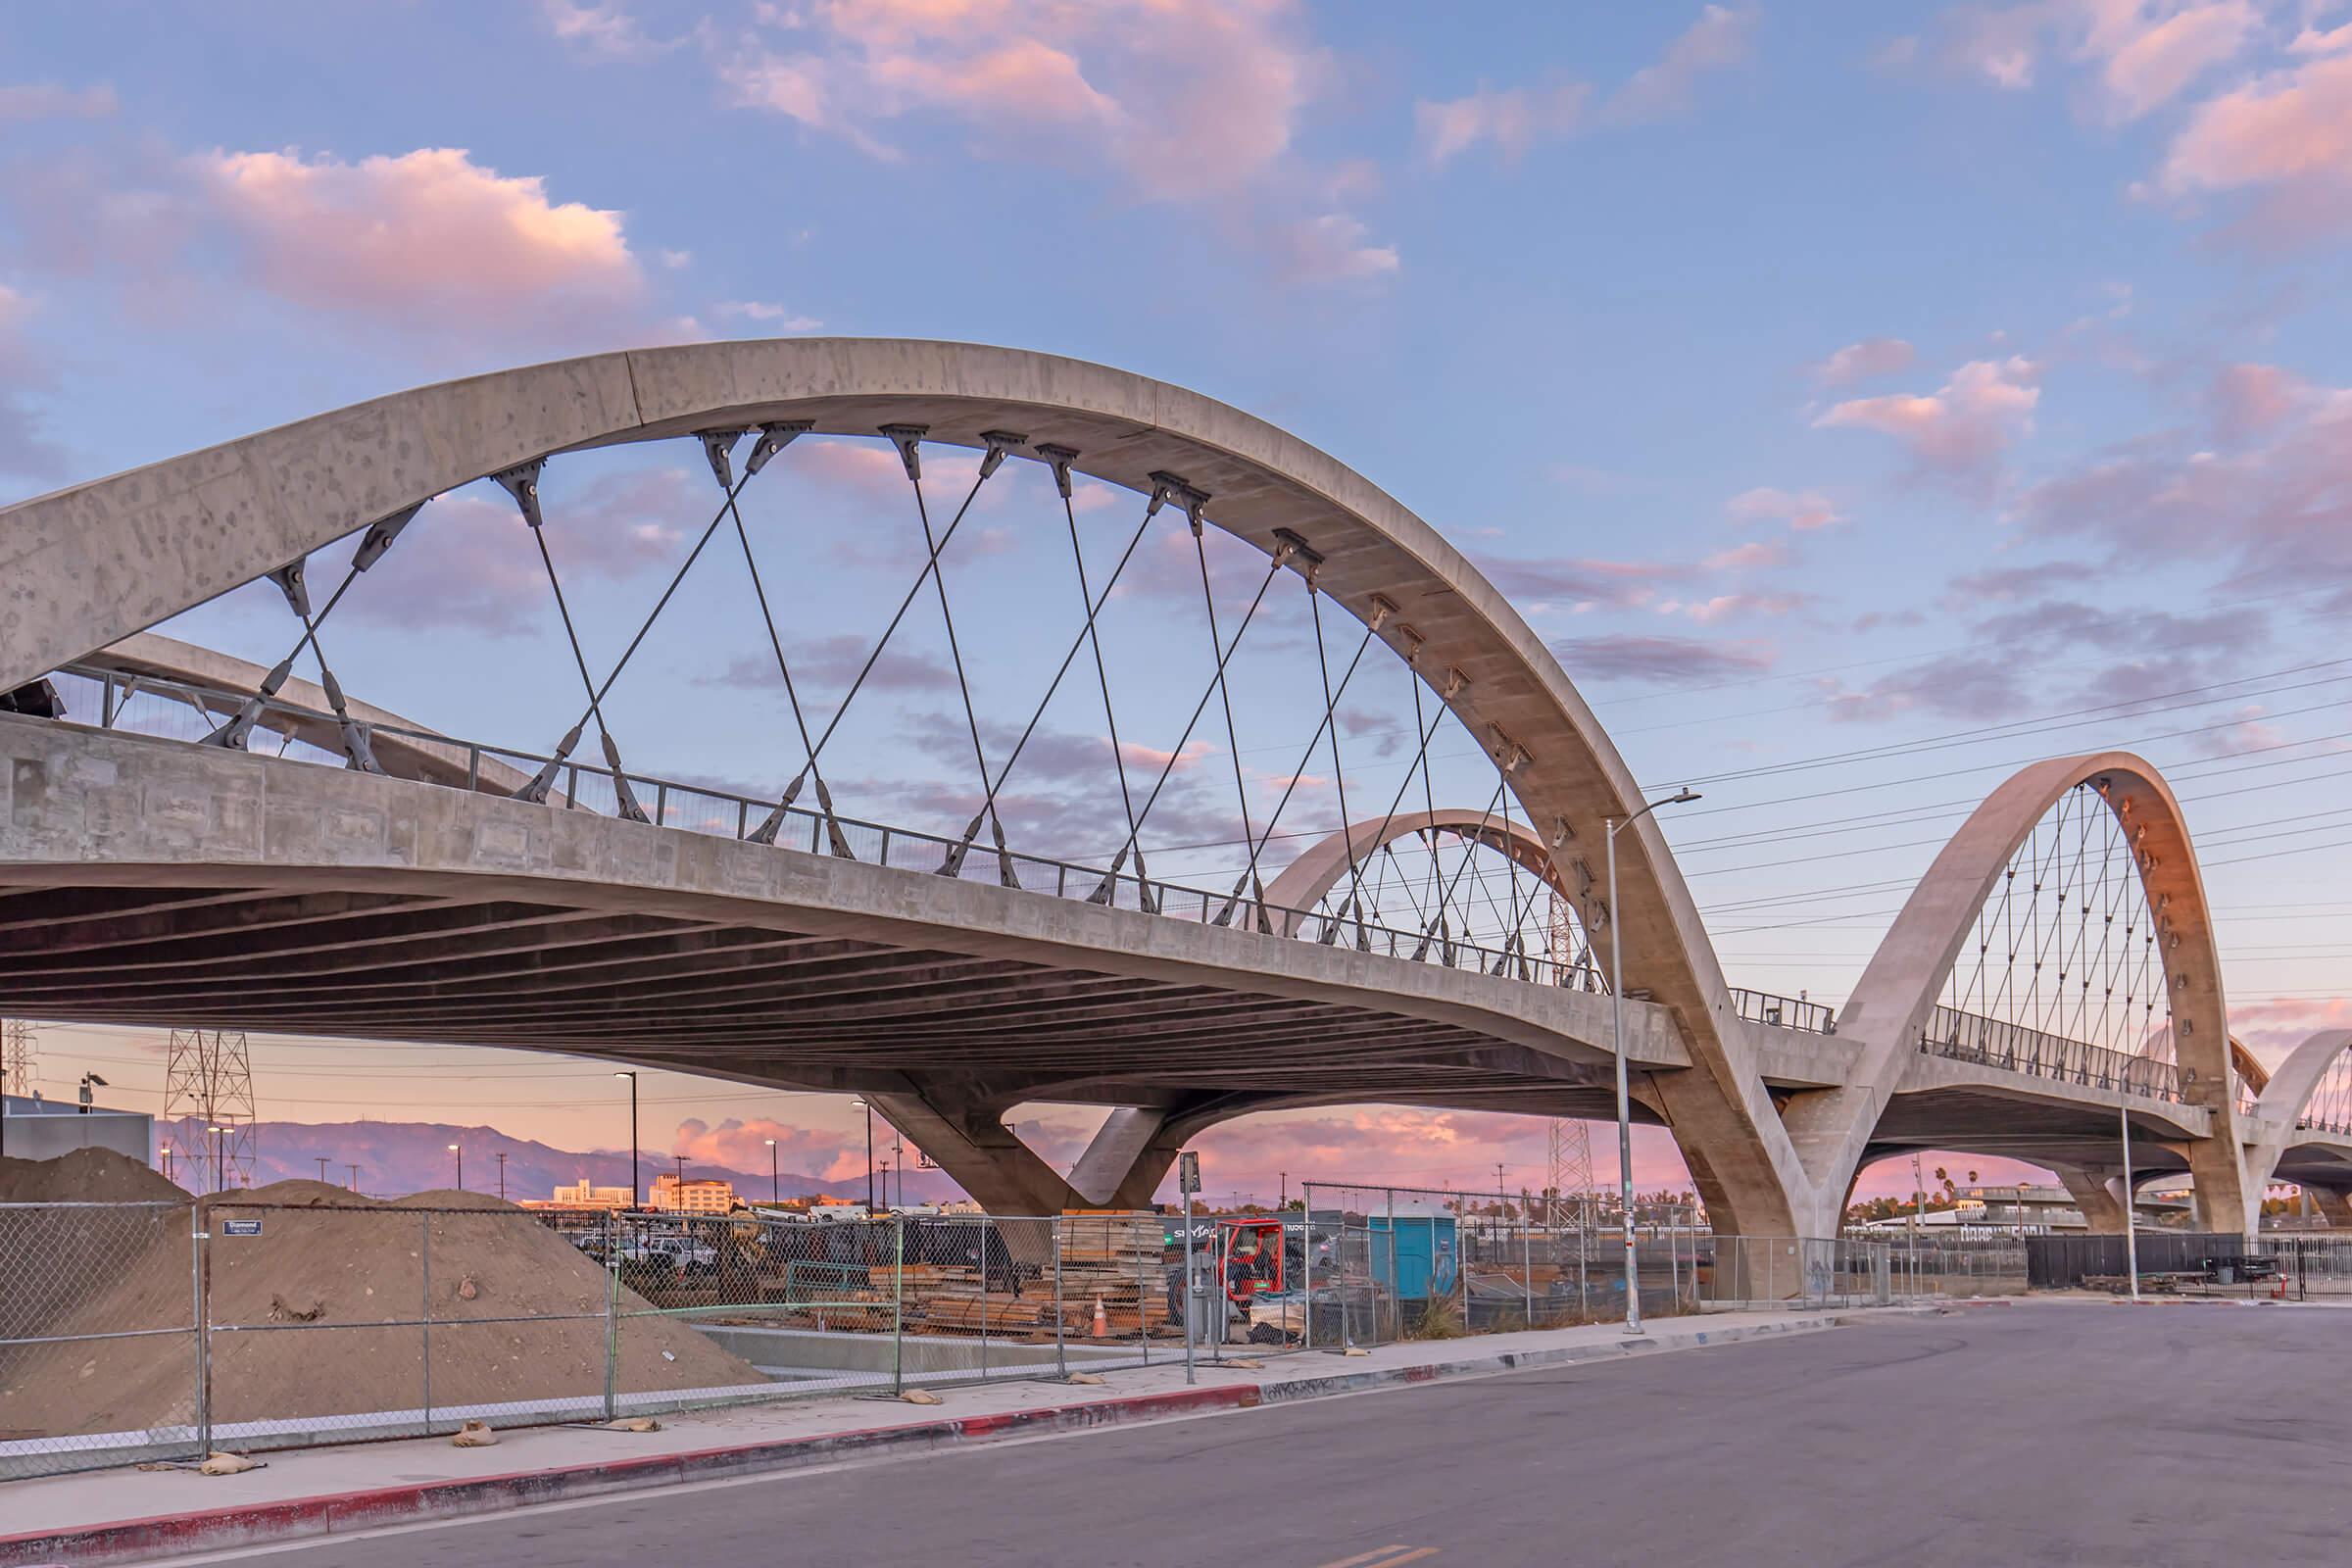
[(340, 1513)]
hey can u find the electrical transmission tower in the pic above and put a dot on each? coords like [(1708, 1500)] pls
[(1568, 1184), (17, 1048), (208, 1106)]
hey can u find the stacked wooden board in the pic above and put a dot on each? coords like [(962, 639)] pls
[(1120, 1261)]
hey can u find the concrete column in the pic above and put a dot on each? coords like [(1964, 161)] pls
[(974, 1145), (2098, 1191), (2334, 1203), (1120, 1169)]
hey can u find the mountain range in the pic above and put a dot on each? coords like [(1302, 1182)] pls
[(396, 1157)]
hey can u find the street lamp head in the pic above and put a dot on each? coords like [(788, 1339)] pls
[(628, 1075), (772, 1143), (453, 1148), (1685, 795)]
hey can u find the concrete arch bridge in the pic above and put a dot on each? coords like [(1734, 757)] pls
[(1087, 741)]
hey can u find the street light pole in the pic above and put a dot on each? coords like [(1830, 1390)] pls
[(502, 1175), (633, 1183), (867, 1106), (1625, 1118), (776, 1193), (461, 1154)]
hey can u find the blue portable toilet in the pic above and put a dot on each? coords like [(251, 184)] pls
[(1428, 1250)]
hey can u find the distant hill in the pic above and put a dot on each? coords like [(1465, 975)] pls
[(395, 1157)]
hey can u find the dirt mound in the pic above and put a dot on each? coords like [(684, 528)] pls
[(84, 1176), (452, 1198), (320, 1315), (295, 1191)]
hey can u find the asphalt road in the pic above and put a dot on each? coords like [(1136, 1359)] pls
[(2017, 1435)]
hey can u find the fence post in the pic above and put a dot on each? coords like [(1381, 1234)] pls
[(988, 1228), (1062, 1311), (424, 1257), (1143, 1292), (898, 1304), (612, 1316), (200, 1282), (1527, 1256), (1306, 1282)]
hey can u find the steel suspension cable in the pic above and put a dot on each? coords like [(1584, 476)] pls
[(1249, 882)]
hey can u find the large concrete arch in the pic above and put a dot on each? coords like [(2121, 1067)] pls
[(1320, 867), (2278, 1112), (85, 567), (1831, 1128)]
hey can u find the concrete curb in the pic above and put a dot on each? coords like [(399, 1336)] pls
[(344, 1514)]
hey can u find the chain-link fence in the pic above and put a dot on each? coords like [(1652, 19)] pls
[(1407, 1262), (159, 1331)]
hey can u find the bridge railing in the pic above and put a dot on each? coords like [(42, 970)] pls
[(1785, 1012), (188, 712), (2015, 1048)]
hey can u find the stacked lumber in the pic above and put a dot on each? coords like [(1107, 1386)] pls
[(1120, 1261)]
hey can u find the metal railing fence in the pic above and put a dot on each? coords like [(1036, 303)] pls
[(1998, 1043), (188, 711), (1785, 1012)]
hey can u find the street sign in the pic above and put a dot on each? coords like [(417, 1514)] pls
[(240, 1227), (1188, 1172)]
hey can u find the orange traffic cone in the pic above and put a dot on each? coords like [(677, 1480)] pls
[(1102, 1322)]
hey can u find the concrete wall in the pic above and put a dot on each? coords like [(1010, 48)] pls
[(53, 1128)]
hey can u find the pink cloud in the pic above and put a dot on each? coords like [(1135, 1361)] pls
[(1861, 362), (1332, 247), (1755, 554), (1182, 100), (2287, 134), (1722, 37), (1140, 756), (1801, 510), (2248, 400), (1961, 431), (2140, 57), (469, 561), (742, 1144), (426, 238), (1513, 119)]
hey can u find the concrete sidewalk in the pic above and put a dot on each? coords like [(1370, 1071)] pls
[(129, 1515)]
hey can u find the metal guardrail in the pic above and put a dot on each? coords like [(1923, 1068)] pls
[(2015, 1048), (704, 809), (1785, 1012)]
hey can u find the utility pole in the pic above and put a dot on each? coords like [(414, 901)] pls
[(355, 1177), (321, 1158), (502, 1175), (18, 1049)]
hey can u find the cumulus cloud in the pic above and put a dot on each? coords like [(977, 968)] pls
[(2286, 137), (1516, 118), (427, 238), (1960, 431), (1723, 36), (1658, 661), (1802, 510), (1865, 361), (775, 317), (605, 29), (1188, 101), (2266, 499), (2139, 54)]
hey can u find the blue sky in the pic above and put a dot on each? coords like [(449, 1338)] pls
[(1818, 377)]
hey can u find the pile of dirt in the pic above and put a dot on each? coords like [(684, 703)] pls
[(320, 1315), (84, 1176)]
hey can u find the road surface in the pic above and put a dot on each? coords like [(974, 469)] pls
[(2014, 1435)]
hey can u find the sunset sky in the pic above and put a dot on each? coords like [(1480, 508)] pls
[(1863, 401)]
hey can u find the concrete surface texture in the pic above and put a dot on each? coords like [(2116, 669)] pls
[(160, 882), (2020, 1436)]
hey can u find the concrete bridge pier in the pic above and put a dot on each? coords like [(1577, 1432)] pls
[(967, 1137), (2098, 1191)]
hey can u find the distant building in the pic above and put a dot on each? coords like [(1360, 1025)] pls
[(704, 1195), (579, 1195)]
